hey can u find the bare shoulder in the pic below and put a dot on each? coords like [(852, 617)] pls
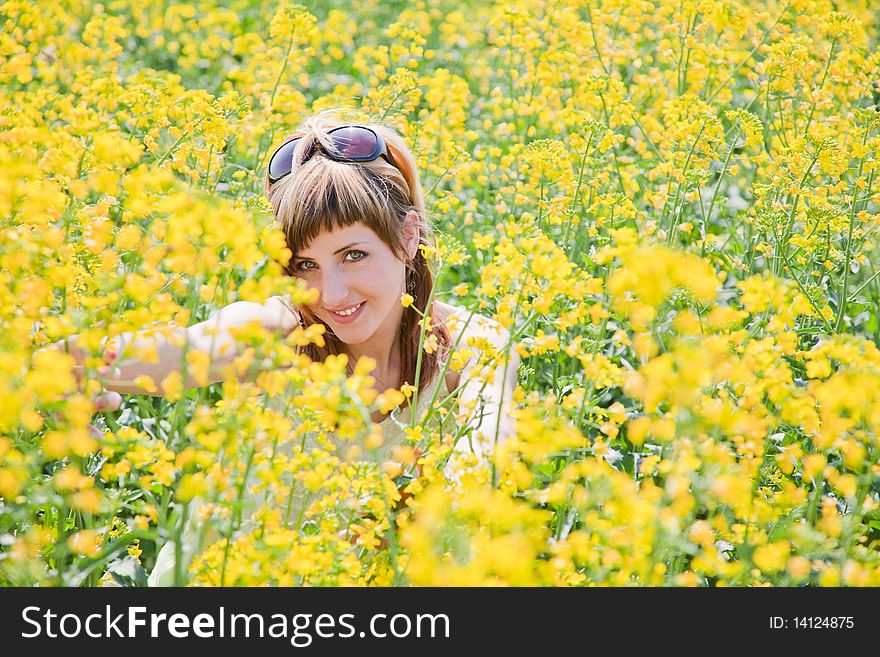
[(442, 310)]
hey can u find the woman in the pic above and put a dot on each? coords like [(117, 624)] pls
[(349, 200)]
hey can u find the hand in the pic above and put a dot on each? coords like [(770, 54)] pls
[(106, 400)]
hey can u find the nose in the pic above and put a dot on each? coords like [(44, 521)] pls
[(334, 289)]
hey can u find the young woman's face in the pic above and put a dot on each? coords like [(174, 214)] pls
[(359, 282)]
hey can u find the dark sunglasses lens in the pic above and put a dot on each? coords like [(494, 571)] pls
[(356, 143), (282, 161)]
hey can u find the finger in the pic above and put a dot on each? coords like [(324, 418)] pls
[(69, 345), (78, 377), (108, 401), (111, 351), (113, 347), (109, 373)]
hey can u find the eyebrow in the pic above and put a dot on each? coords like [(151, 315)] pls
[(347, 246)]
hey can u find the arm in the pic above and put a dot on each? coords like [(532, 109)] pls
[(487, 386), (158, 353)]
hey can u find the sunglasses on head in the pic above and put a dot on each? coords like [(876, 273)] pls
[(351, 143)]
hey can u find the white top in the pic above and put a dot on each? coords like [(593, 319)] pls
[(481, 394), (198, 535)]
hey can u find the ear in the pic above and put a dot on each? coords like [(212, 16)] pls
[(411, 233)]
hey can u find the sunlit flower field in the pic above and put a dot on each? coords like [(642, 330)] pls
[(670, 205)]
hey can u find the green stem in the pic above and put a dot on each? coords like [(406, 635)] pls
[(236, 517), (863, 286), (790, 222), (595, 40), (821, 84), (747, 57), (184, 136), (281, 72), (577, 188), (445, 369), (842, 305), (687, 163), (292, 494), (805, 293), (422, 332), (708, 215), (178, 546), (499, 413)]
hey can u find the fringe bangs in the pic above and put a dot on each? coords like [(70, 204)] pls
[(326, 195)]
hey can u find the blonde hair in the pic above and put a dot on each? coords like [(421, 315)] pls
[(323, 194)]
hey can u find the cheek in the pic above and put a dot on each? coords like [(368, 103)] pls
[(372, 285), (305, 279), (379, 277), (311, 285)]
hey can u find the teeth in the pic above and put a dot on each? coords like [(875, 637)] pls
[(348, 312)]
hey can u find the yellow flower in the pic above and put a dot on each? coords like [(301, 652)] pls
[(88, 500), (146, 382), (85, 543), (190, 486), (389, 400), (172, 386), (772, 558)]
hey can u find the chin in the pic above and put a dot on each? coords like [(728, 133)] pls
[(351, 334)]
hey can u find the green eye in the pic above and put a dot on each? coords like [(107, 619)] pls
[(354, 255)]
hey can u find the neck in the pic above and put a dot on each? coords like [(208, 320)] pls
[(387, 360), (383, 348)]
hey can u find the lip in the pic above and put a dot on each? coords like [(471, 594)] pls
[(348, 320)]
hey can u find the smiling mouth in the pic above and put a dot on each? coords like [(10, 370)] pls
[(349, 311)]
